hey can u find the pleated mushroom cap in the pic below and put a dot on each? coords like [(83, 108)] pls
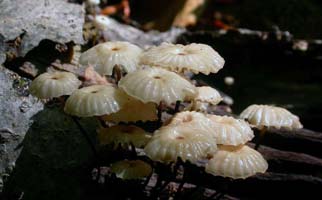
[(208, 95), (230, 131), (54, 84), (106, 55), (95, 100), (171, 142), (236, 162), (205, 96), (179, 58), (134, 110), (124, 135), (156, 85), (131, 169), (194, 121), (271, 116)]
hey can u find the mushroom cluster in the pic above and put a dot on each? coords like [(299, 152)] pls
[(145, 84)]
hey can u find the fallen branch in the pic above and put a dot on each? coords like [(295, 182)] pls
[(290, 162), (301, 141)]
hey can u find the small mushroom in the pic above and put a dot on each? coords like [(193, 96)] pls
[(104, 57), (264, 117), (156, 85), (236, 162), (192, 120), (171, 142), (185, 136), (101, 22), (95, 100), (54, 84), (205, 96), (194, 57), (230, 131), (131, 169), (93, 2), (124, 135)]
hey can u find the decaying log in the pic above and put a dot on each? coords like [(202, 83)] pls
[(264, 186), (301, 141), (291, 162), (288, 171)]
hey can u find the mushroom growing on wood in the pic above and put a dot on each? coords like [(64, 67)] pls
[(171, 142), (205, 96), (237, 162), (95, 100), (157, 85), (104, 57), (54, 84), (194, 57), (230, 131), (101, 22), (192, 120), (187, 136), (264, 117)]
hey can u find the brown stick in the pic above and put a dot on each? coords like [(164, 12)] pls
[(301, 141), (291, 162)]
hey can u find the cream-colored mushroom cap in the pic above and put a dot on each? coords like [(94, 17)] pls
[(134, 110), (208, 95), (179, 58), (123, 135), (270, 116), (236, 162), (106, 55), (54, 84), (194, 121), (131, 169), (101, 22), (171, 142), (95, 100), (205, 97), (230, 131), (156, 85)]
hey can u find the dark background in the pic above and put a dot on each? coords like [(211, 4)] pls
[(265, 71)]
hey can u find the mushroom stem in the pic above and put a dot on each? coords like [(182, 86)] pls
[(164, 185), (217, 195), (160, 112), (183, 180), (133, 150), (176, 108), (179, 190), (117, 73), (260, 138), (146, 182)]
